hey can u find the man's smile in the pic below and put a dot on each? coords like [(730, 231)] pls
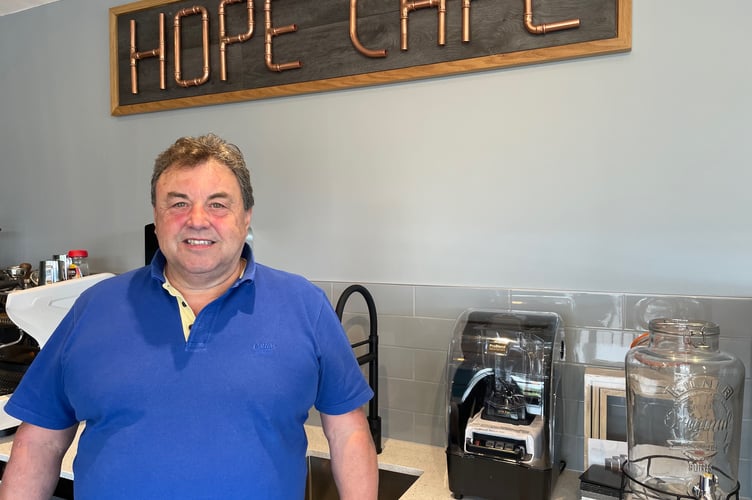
[(199, 242)]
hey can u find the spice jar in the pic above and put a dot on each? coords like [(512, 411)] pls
[(684, 413), (79, 263)]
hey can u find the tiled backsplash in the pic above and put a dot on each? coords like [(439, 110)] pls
[(415, 325)]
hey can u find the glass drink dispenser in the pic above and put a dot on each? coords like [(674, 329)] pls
[(684, 414)]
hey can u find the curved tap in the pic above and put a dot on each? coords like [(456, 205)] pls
[(372, 357)]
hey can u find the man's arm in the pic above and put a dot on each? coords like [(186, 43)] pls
[(34, 465), (353, 455)]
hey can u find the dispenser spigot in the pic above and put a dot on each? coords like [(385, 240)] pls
[(705, 490)]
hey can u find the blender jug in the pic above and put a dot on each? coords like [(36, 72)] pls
[(516, 391)]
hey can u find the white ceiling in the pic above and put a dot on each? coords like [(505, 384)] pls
[(12, 6)]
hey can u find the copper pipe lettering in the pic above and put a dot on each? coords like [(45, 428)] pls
[(541, 29), (190, 11), (137, 56), (465, 21), (225, 40), (442, 23), (269, 33), (354, 34), (407, 6)]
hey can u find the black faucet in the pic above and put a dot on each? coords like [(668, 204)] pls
[(372, 357)]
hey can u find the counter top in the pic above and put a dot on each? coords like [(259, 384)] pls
[(427, 462)]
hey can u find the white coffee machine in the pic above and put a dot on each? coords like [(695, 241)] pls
[(38, 311)]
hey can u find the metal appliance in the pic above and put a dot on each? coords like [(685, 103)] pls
[(17, 348), (37, 311), (501, 404)]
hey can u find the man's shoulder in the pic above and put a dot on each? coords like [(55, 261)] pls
[(118, 284), (272, 277)]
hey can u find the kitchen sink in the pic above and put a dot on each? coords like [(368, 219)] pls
[(320, 484)]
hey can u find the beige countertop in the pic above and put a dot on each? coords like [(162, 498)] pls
[(427, 462)]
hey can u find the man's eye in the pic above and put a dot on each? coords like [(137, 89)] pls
[(179, 204), (217, 206)]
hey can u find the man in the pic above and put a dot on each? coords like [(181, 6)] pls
[(194, 375)]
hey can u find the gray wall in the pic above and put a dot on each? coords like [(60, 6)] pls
[(624, 173)]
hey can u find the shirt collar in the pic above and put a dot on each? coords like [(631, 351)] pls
[(158, 263)]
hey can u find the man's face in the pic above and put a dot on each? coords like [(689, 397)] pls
[(200, 222)]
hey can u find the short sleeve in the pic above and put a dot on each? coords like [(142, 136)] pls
[(40, 398), (342, 386)]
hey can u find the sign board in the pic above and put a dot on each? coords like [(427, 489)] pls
[(168, 54)]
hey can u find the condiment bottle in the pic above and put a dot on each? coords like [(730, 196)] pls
[(79, 264)]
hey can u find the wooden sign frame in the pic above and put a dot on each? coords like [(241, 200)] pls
[(329, 59)]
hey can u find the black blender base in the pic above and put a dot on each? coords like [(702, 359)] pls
[(497, 480)]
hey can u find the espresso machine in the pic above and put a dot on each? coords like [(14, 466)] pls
[(33, 314), (501, 385)]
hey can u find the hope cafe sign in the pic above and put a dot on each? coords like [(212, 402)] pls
[(168, 54)]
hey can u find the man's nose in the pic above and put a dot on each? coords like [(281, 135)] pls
[(198, 216)]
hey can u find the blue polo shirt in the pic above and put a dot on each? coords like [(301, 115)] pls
[(217, 416)]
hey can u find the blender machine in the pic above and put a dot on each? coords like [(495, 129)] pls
[(500, 413)]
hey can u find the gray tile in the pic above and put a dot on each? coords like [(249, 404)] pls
[(396, 362), (419, 333), (440, 408), (640, 309), (430, 429), (326, 286), (597, 347), (559, 415), (572, 381), (388, 299), (384, 390), (450, 302), (572, 451), (358, 328), (742, 349), (430, 366), (745, 478), (570, 417), (397, 424), (732, 314), (410, 395), (581, 309), (746, 440)]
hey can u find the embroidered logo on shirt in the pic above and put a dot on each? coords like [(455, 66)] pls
[(264, 347)]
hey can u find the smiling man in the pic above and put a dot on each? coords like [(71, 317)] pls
[(194, 375), (201, 223)]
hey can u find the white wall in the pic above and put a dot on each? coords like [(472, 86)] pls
[(625, 173)]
